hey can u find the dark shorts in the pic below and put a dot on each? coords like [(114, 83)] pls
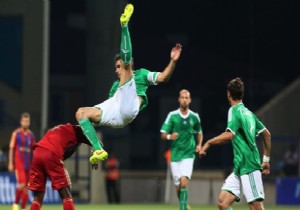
[(47, 164)]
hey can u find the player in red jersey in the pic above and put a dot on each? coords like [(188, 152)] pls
[(58, 144), (20, 150)]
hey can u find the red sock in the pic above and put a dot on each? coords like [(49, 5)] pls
[(35, 205), (68, 204), (18, 195), (24, 200)]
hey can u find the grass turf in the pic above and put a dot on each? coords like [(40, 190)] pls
[(150, 207)]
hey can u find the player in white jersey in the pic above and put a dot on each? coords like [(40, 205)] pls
[(127, 95), (181, 126), (242, 129)]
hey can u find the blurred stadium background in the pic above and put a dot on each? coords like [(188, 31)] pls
[(56, 56)]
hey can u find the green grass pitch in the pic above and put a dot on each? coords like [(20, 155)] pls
[(150, 207)]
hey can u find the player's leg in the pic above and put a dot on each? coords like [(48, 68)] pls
[(226, 199), (24, 199), (37, 203), (20, 177), (186, 169), (253, 189), (66, 197), (85, 116), (230, 192), (183, 193), (37, 179), (126, 47)]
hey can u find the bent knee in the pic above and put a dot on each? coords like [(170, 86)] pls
[(222, 204), (88, 112), (79, 113)]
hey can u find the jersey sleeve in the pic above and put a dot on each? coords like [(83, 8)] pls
[(198, 127), (151, 76), (167, 125), (232, 122), (260, 127), (113, 89)]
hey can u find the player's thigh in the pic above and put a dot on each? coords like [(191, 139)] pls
[(181, 169), (175, 170), (186, 167), (232, 185), (57, 172), (253, 187), (37, 179), (21, 176)]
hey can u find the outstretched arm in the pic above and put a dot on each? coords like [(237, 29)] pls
[(267, 151), (221, 139), (166, 74)]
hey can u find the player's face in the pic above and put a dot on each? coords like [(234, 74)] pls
[(229, 97), (184, 99), (118, 67), (25, 122)]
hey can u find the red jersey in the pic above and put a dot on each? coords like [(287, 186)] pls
[(63, 140), (22, 148)]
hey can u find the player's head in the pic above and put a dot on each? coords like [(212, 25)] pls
[(25, 120), (235, 89), (184, 98), (119, 63)]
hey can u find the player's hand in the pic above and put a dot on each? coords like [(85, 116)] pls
[(176, 51), (11, 168), (173, 136), (98, 155), (265, 168), (203, 150), (198, 148)]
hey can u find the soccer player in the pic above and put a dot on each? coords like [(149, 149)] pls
[(242, 128), (57, 145), (127, 96), (20, 150), (181, 126)]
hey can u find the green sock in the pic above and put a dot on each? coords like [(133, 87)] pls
[(90, 133), (126, 48), (183, 198), (229, 208)]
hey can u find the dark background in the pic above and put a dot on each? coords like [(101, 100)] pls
[(222, 39)]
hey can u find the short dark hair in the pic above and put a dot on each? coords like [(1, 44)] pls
[(25, 115), (118, 57), (236, 88)]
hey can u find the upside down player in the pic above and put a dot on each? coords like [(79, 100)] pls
[(127, 95), (58, 144)]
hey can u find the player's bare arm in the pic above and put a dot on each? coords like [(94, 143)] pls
[(221, 139), (266, 135), (11, 152), (199, 142), (166, 74)]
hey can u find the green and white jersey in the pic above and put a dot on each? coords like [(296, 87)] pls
[(143, 78), (245, 126), (186, 126)]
